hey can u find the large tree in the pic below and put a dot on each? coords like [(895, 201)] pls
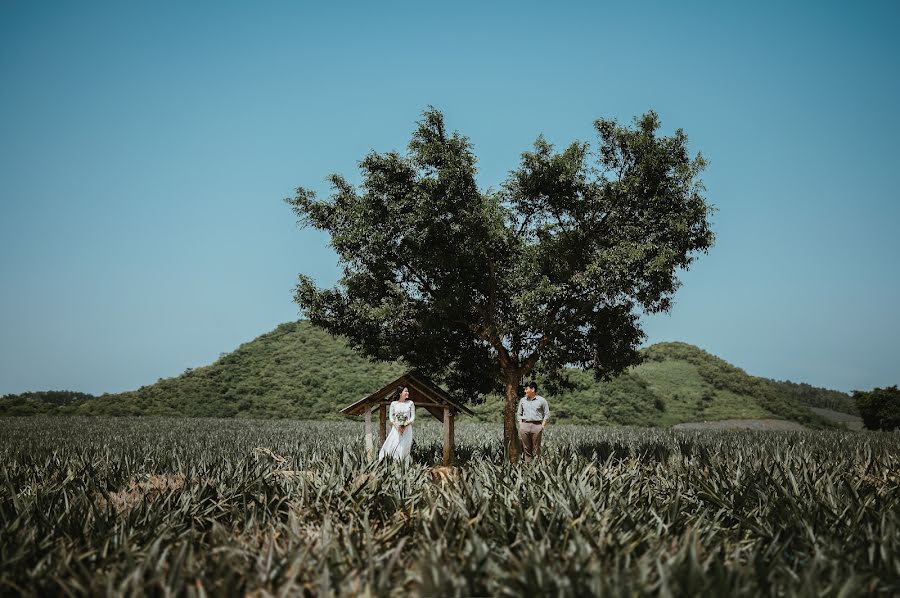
[(879, 407), (481, 288)]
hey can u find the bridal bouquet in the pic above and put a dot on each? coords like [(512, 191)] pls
[(401, 419)]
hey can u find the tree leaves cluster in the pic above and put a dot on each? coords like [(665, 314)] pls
[(479, 289), (552, 268), (879, 407)]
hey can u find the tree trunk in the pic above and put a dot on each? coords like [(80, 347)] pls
[(510, 430)]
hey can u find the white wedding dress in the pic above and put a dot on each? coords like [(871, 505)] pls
[(398, 445)]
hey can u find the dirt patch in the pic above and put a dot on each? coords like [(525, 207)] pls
[(747, 424), (145, 488)]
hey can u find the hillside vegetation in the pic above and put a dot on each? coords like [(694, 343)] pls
[(299, 371)]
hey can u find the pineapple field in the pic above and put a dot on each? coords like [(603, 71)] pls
[(157, 506)]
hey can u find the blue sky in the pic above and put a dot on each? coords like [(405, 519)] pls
[(146, 150)]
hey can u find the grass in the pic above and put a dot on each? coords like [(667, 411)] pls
[(234, 507)]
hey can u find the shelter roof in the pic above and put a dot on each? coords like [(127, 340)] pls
[(423, 392)]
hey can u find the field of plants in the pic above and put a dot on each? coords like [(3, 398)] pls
[(94, 506)]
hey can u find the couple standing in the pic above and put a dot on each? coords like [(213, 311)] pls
[(532, 415)]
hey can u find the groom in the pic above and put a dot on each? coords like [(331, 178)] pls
[(533, 413)]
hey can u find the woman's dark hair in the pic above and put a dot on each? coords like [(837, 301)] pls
[(400, 390)]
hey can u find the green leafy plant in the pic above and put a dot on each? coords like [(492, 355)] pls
[(172, 506)]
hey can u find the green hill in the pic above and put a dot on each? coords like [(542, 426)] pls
[(299, 371), (677, 383)]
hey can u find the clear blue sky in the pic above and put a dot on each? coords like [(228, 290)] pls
[(146, 151)]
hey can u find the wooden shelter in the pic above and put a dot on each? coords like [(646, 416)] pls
[(425, 394)]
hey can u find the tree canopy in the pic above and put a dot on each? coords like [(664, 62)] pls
[(879, 407), (479, 288)]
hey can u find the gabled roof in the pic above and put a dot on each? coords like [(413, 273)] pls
[(423, 392)]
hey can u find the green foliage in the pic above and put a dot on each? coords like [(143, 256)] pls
[(624, 400), (299, 371), (294, 371), (812, 396), (879, 407), (46, 401), (724, 377), (161, 506), (479, 288)]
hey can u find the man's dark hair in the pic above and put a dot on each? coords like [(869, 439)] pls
[(532, 384)]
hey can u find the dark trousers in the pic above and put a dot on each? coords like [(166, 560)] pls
[(530, 435)]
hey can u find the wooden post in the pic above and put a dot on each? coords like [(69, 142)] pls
[(370, 448), (453, 414), (382, 423), (448, 436), (452, 435)]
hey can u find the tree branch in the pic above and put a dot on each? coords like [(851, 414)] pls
[(535, 355)]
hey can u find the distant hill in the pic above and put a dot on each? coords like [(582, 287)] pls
[(300, 371)]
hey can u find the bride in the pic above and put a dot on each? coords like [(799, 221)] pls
[(402, 414)]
